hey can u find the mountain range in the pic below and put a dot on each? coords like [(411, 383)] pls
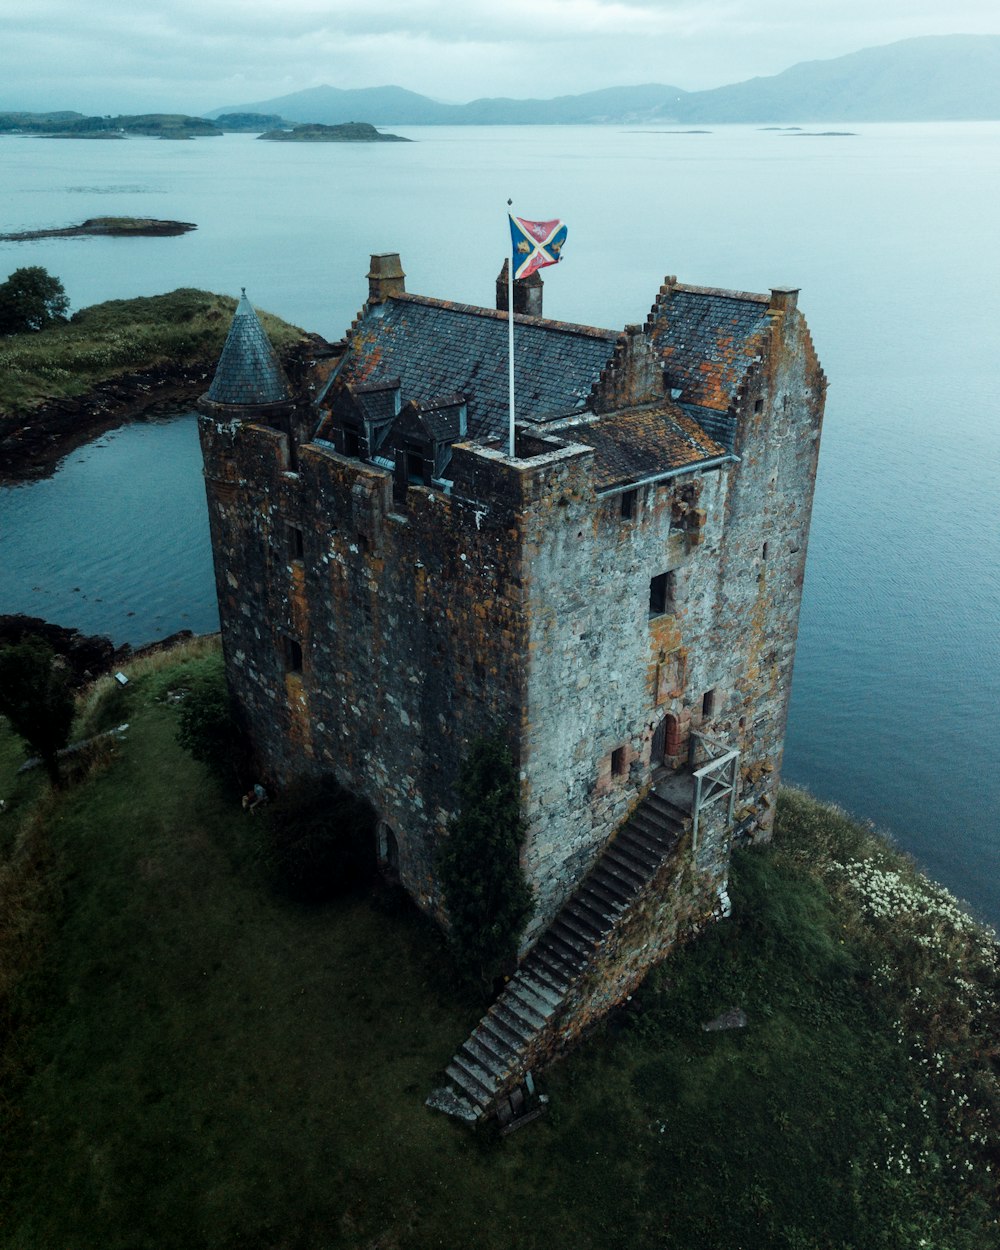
[(933, 78)]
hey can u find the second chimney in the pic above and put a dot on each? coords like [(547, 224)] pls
[(527, 293)]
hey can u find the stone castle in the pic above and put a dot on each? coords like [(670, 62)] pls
[(619, 599)]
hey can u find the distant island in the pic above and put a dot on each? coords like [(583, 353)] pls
[(347, 132), (123, 227), (76, 126)]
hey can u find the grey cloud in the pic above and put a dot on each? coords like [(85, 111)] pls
[(187, 55)]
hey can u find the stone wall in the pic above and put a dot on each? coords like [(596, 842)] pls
[(408, 620)]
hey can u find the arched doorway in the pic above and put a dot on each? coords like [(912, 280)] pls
[(666, 742), (387, 849)]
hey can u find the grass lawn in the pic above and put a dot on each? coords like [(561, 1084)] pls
[(184, 327), (194, 1062)]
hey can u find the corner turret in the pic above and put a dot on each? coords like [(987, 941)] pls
[(249, 382)]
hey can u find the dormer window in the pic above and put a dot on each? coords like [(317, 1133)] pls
[(352, 441)]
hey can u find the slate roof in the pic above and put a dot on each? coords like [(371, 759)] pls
[(708, 340), (249, 372), (642, 442), (436, 347)]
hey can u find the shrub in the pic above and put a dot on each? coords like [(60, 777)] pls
[(36, 697), (320, 841), (485, 894), (210, 730)]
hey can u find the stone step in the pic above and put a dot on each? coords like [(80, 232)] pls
[(492, 1060), (544, 970), (615, 860), (572, 932), (567, 946), (591, 929), (596, 913), (650, 843), (486, 1076), (667, 808), (650, 826), (645, 860), (513, 1020), (539, 987), (520, 998), (467, 1083), (481, 1063), (607, 892), (507, 1041), (613, 877)]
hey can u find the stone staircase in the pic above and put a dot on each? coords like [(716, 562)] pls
[(496, 1056)]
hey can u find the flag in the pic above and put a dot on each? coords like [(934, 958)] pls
[(536, 244)]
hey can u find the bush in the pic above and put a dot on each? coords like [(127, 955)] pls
[(485, 894), (210, 730), (37, 699), (30, 300), (320, 841)]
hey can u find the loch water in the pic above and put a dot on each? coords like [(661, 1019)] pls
[(890, 233)]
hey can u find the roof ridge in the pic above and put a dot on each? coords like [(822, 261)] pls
[(722, 292), (476, 310)]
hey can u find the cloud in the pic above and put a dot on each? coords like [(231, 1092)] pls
[(184, 54)]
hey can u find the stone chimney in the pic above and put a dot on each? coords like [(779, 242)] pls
[(634, 374), (527, 292), (784, 298), (386, 277)]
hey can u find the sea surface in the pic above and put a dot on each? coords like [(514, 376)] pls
[(891, 234)]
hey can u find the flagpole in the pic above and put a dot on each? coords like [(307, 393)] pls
[(510, 338)]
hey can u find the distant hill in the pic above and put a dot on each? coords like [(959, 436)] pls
[(941, 78), (935, 78), (393, 105)]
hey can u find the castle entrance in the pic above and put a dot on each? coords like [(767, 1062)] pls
[(666, 742), (387, 849)]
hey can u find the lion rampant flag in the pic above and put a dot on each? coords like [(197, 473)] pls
[(536, 244)]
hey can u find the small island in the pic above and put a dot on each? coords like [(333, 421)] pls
[(118, 227), (347, 132)]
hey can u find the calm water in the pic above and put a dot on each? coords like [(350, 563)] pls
[(891, 236)]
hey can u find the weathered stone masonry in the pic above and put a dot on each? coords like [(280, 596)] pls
[(620, 599)]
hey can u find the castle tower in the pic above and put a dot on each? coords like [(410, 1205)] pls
[(249, 382)]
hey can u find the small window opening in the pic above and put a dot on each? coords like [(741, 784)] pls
[(293, 655), (708, 701), (662, 593), (758, 405), (658, 594), (629, 498), (619, 762), (763, 551), (295, 541)]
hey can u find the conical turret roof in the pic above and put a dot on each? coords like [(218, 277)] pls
[(249, 372)]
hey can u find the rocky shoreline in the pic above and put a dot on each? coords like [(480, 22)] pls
[(33, 443), (86, 656)]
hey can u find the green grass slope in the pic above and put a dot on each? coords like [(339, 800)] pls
[(193, 1062), (182, 328)]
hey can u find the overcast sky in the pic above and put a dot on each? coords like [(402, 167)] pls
[(109, 56)]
